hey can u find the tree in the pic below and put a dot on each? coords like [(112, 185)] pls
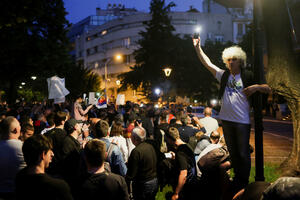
[(154, 50), (34, 42), (283, 73)]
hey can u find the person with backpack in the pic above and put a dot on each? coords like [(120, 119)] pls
[(237, 86), (101, 183), (185, 165), (114, 154)]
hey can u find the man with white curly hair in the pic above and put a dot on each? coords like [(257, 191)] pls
[(236, 86)]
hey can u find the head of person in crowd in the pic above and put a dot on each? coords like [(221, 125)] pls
[(163, 116), (27, 130), (131, 119), (178, 115), (138, 135), (151, 112), (185, 119), (199, 134), (189, 109), (94, 153), (26, 119), (79, 98), (60, 118), (93, 122), (234, 57), (10, 128), (214, 137), (117, 129), (207, 112), (101, 129), (102, 114), (173, 121), (2, 115), (143, 112), (172, 136), (136, 108), (119, 119), (37, 150), (72, 127), (50, 120)]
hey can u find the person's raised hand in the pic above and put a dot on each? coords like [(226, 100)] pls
[(196, 42)]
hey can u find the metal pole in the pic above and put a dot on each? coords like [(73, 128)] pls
[(105, 77), (258, 51)]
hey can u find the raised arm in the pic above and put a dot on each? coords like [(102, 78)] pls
[(203, 57)]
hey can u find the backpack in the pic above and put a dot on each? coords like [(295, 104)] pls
[(211, 161)]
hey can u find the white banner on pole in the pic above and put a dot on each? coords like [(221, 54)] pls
[(120, 99)]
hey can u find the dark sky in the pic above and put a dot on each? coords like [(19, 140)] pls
[(79, 9)]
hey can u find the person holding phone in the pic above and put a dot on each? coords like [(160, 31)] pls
[(237, 86)]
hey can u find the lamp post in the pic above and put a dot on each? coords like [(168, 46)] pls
[(167, 71), (108, 60)]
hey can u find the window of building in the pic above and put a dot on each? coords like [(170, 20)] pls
[(240, 29), (126, 42), (104, 32), (88, 52), (219, 38), (219, 25)]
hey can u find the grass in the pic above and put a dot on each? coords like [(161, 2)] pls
[(271, 174)]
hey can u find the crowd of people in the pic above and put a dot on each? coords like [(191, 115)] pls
[(76, 151)]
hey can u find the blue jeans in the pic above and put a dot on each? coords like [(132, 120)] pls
[(237, 137), (146, 190)]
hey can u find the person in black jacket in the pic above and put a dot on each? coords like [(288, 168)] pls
[(100, 183), (32, 182)]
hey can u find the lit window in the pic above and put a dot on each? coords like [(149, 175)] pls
[(103, 32)]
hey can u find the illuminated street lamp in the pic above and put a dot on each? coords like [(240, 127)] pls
[(157, 91), (117, 57), (23, 83), (33, 77), (167, 71), (198, 29)]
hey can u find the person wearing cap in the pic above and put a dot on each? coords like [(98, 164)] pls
[(71, 159), (185, 166)]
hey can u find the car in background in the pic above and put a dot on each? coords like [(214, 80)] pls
[(198, 111)]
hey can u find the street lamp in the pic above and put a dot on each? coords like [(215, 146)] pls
[(198, 29), (33, 77), (167, 71), (157, 91), (23, 83), (117, 57)]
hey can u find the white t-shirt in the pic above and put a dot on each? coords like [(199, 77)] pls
[(210, 124), (235, 106), (121, 142)]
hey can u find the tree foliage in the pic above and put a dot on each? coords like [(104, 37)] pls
[(33, 42), (155, 45)]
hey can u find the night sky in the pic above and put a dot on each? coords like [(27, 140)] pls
[(79, 9)]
